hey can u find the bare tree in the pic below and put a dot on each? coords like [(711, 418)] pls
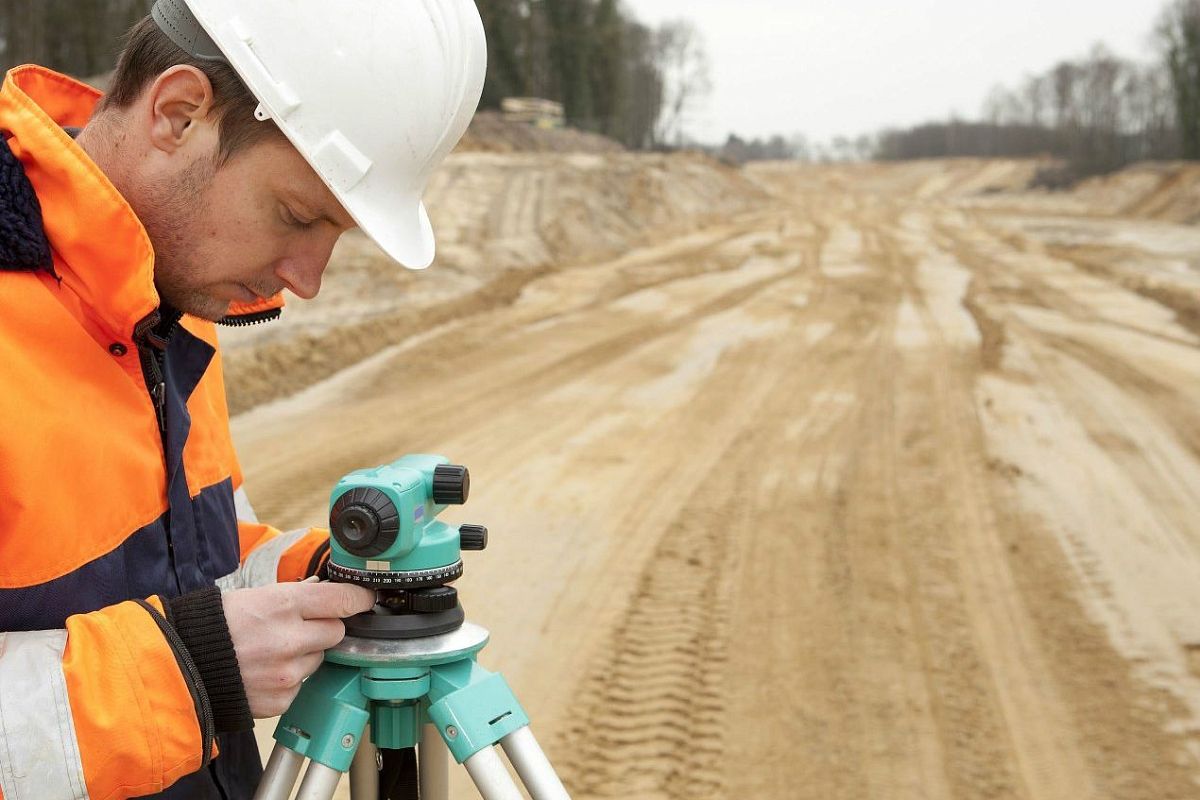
[(1178, 34), (644, 99), (79, 37), (683, 63), (1037, 98)]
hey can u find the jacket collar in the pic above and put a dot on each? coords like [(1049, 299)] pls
[(101, 250)]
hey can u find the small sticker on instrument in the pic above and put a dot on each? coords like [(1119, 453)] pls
[(418, 513), (379, 566)]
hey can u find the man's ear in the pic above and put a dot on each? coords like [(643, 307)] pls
[(180, 101)]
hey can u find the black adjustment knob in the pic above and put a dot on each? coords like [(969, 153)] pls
[(364, 522), (451, 485), (430, 601), (472, 537)]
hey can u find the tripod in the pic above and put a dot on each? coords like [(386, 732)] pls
[(393, 694)]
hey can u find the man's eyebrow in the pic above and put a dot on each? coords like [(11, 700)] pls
[(320, 211), (333, 220)]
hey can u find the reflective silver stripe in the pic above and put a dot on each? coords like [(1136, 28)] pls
[(39, 754), (245, 511), (241, 504), (261, 567), (227, 583)]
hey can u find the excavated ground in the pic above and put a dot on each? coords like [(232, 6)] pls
[(883, 482)]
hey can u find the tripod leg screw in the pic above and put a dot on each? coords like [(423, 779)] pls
[(347, 741), (452, 732)]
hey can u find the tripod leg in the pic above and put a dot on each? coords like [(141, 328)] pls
[(433, 765), (320, 782), (279, 777), (532, 765), (364, 770), (491, 778)]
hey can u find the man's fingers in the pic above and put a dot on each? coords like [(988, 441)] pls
[(318, 635), (333, 600), (310, 663)]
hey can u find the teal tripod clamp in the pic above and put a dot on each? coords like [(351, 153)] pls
[(407, 677)]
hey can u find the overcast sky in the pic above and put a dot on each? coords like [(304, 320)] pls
[(830, 67)]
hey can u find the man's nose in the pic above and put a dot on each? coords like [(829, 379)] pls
[(302, 274)]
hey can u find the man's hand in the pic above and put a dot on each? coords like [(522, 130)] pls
[(280, 633)]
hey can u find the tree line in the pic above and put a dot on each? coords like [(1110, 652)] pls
[(613, 74), (1096, 114), (78, 37)]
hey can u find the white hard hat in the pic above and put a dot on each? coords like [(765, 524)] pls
[(373, 93)]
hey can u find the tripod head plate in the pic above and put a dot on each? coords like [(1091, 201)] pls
[(428, 651)]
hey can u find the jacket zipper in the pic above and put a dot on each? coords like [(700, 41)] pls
[(152, 351), (256, 318), (151, 338), (191, 676), (152, 371)]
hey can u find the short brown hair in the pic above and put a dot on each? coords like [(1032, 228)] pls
[(149, 52)]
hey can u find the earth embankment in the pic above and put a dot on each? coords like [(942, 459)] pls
[(842, 482), (502, 221)]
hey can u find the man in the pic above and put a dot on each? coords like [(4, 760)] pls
[(220, 169)]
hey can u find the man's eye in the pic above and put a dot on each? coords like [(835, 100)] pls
[(291, 219)]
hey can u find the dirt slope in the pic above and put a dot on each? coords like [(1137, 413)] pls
[(502, 220), (490, 132), (868, 491), (1167, 191)]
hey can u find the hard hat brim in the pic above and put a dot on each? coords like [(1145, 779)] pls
[(405, 236)]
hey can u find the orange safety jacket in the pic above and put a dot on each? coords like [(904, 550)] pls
[(121, 504)]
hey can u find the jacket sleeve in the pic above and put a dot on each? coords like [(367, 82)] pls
[(269, 556), (112, 706), (266, 555)]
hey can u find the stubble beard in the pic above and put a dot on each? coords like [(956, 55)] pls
[(172, 215)]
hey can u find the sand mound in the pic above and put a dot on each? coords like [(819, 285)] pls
[(490, 132), (502, 220), (927, 179), (1168, 191)]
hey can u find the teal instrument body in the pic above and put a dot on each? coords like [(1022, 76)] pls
[(422, 541), (405, 678)]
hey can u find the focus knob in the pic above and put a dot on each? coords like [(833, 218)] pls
[(472, 537), (430, 601), (364, 521), (451, 485)]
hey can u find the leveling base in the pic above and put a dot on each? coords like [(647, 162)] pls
[(393, 694)]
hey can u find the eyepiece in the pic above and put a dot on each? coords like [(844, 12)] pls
[(364, 522)]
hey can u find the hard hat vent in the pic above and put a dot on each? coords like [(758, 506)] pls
[(176, 20)]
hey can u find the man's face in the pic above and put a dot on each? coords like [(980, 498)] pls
[(259, 223)]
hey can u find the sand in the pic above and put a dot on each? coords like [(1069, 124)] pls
[(807, 482)]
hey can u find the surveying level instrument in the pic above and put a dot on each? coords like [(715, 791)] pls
[(403, 691)]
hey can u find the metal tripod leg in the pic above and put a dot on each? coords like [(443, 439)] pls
[(395, 686), (320, 782), (364, 769), (493, 781), (433, 760), (490, 777), (433, 765), (279, 776), (532, 765), (486, 769)]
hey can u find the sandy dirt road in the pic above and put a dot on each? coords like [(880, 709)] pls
[(876, 492)]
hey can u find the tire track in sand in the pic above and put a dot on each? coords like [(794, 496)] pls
[(651, 716)]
